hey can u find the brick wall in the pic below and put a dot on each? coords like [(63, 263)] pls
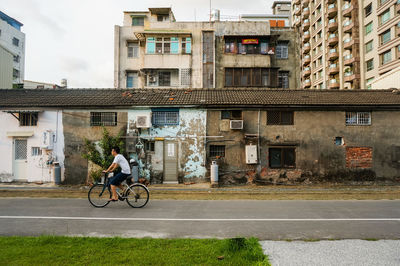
[(359, 157)]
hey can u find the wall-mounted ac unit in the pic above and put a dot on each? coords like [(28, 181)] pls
[(47, 140), (251, 154), (143, 121), (236, 124)]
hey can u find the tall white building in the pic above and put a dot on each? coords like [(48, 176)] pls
[(13, 39)]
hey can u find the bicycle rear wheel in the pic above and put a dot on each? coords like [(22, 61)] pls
[(98, 195), (137, 196)]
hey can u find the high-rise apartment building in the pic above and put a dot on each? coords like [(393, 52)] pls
[(13, 39), (346, 44)]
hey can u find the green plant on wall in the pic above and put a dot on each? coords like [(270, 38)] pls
[(100, 153)]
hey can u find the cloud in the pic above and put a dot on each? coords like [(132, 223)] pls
[(73, 64)]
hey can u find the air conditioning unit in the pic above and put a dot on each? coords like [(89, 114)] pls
[(236, 124), (47, 140), (143, 121), (152, 79), (251, 154)]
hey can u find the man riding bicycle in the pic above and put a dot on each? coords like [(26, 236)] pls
[(119, 160)]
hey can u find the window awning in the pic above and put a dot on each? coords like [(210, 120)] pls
[(19, 133)]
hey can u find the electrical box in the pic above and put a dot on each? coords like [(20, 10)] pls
[(251, 154), (236, 124), (143, 121), (47, 140)]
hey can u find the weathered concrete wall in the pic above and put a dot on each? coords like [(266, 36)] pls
[(189, 136), (76, 128), (317, 156)]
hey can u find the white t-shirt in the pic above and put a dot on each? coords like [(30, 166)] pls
[(123, 163)]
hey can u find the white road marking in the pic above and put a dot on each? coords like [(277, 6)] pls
[(205, 219)]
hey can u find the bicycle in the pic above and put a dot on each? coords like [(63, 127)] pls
[(136, 194)]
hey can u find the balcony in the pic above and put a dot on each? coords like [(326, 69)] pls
[(398, 7), (348, 26), (332, 25), (306, 60), (306, 24), (297, 11), (350, 76), (297, 2), (307, 84), (333, 39), (333, 69), (348, 43), (306, 36), (306, 48), (331, 1), (346, 10), (306, 13), (332, 10), (306, 72), (334, 84), (398, 30), (348, 60), (333, 54)]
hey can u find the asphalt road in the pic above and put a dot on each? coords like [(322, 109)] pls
[(267, 220)]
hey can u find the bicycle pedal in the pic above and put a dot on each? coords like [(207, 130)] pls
[(121, 198)]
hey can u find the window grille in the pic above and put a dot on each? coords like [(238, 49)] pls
[(280, 118), (20, 149), (283, 79), (165, 118), (282, 51), (164, 78), (186, 77), (103, 119), (36, 151), (358, 118), (282, 157), (28, 119), (217, 150)]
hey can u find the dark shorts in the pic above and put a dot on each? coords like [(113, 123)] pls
[(116, 180)]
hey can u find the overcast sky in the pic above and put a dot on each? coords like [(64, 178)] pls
[(74, 39)]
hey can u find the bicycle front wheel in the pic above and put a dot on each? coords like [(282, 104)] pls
[(99, 195), (137, 196)]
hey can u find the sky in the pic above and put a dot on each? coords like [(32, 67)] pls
[(74, 39)]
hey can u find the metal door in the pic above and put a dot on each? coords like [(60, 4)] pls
[(20, 159), (170, 161)]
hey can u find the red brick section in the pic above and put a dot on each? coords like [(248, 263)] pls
[(359, 157)]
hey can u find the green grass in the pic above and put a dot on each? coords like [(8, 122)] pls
[(55, 250)]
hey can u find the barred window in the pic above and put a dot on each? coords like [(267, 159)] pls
[(217, 150), (282, 51), (36, 151), (231, 114), (103, 119), (185, 76), (283, 79), (282, 157), (358, 118), (28, 119), (280, 118), (165, 118)]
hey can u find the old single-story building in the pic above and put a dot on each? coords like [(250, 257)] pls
[(266, 136)]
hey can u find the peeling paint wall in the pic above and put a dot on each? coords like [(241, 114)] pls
[(189, 136)]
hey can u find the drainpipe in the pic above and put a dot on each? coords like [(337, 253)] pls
[(258, 146)]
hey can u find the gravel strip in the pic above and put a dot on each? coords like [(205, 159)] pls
[(339, 252)]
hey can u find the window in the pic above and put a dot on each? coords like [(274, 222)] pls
[(381, 2), (16, 58), (385, 37), (242, 45), (15, 41), (16, 73), (384, 17), (133, 50), (36, 151), (370, 64), (132, 80), (282, 157), (369, 46), (368, 10), (137, 21), (386, 57), (358, 118), (251, 77), (231, 114), (149, 146), (283, 79), (369, 85), (28, 119), (217, 151), (368, 28), (186, 45), (280, 118), (165, 45), (165, 117), (151, 45), (164, 78), (103, 119), (282, 50), (161, 18)]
